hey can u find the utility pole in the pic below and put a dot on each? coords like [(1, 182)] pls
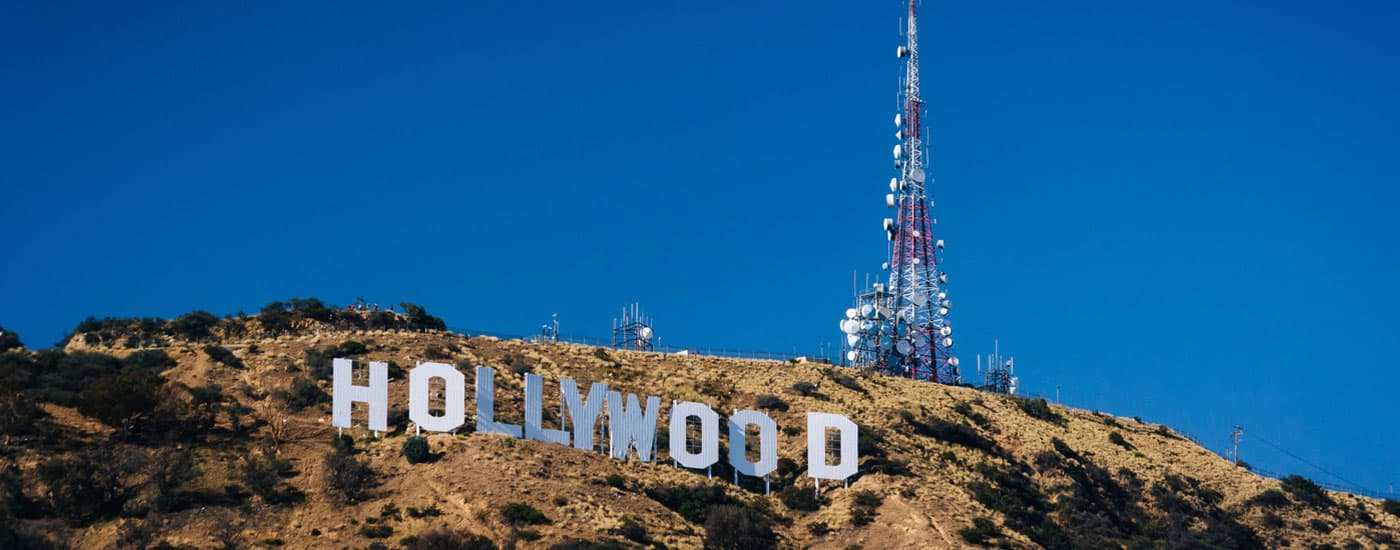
[(1057, 394), (1235, 436)]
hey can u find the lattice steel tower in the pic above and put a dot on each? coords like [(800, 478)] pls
[(901, 328)]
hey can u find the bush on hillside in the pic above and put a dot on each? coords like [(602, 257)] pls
[(194, 326), (449, 540), (1391, 507), (1271, 498), (982, 530), (1306, 491), (517, 514), (738, 528), (691, 502), (770, 402), (223, 356), (415, 450), (800, 498), (303, 393), (348, 479), (120, 399), (1117, 439), (9, 340), (1037, 408)]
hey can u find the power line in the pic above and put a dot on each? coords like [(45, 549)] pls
[(1276, 447)]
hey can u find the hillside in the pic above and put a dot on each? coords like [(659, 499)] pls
[(225, 441)]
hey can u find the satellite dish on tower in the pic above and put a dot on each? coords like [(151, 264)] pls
[(851, 313), (917, 175), (851, 355), (852, 339), (898, 119), (894, 184), (904, 347)]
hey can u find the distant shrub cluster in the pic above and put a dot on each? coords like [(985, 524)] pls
[(9, 340), (770, 402), (1307, 492), (1037, 408), (1391, 507), (943, 430), (223, 356), (290, 317)]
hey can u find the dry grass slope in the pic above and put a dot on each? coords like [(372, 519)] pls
[(941, 466)]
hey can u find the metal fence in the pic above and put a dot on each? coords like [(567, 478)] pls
[(665, 349)]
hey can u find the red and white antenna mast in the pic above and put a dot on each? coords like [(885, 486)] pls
[(902, 328)]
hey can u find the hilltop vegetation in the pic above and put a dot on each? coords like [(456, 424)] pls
[(202, 432)]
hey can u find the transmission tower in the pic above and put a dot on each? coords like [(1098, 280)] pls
[(901, 327)]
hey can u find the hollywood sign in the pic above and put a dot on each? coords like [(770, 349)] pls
[(631, 426)]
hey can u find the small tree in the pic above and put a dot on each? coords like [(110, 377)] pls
[(736, 528), (347, 478), (415, 449), (194, 326), (9, 340)]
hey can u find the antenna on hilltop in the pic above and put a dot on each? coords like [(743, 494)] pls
[(901, 327)]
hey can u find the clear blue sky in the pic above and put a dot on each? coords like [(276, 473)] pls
[(1179, 210)]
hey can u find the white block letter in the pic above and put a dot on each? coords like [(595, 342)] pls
[(486, 405), (817, 424), (534, 413), (376, 394), (767, 443), (631, 425), (583, 415), (709, 435), (454, 411)]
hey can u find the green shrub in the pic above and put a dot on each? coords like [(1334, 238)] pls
[(616, 481), (304, 393), (120, 399), (9, 340), (1306, 491), (431, 511), (519, 513), (223, 356), (376, 531), (818, 528), (1271, 498), (633, 531), (1391, 507), (347, 478), (943, 430), (1037, 408), (863, 506), (799, 498), (738, 528), (1117, 439), (194, 325), (559, 500), (844, 380), (415, 450), (770, 402), (980, 532), (1320, 526), (805, 388), (83, 487), (348, 348), (694, 502)]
